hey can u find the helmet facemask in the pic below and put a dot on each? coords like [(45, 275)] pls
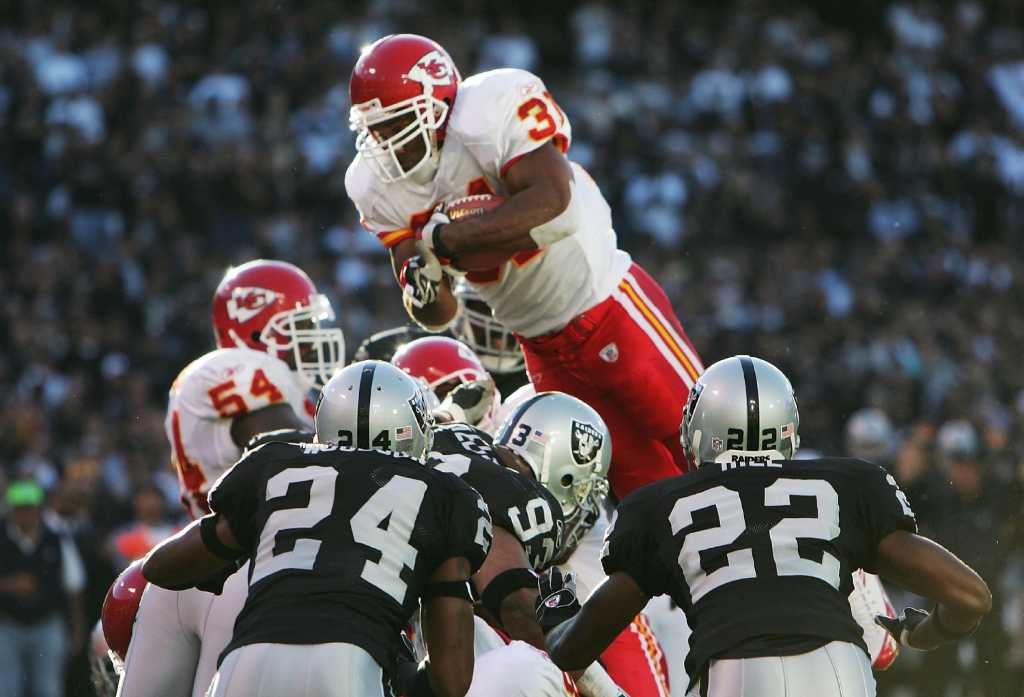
[(316, 352), (589, 494), (496, 346), (429, 115)]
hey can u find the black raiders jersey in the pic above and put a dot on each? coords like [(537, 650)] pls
[(759, 557), (519, 505), (342, 541)]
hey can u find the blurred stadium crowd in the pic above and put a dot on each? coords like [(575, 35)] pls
[(837, 194)]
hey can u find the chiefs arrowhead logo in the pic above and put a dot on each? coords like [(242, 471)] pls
[(432, 69), (247, 302), (586, 442)]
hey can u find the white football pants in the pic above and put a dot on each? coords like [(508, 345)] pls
[(177, 638), (837, 669), (298, 670)]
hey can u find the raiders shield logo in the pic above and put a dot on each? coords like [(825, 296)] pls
[(586, 442), (419, 410)]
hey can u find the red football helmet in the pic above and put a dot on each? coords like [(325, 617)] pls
[(119, 610), (272, 306), (395, 76), (440, 363)]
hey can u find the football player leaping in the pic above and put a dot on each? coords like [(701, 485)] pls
[(271, 351), (591, 322), (758, 549)]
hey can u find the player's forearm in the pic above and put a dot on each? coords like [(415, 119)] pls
[(436, 316), (568, 649), (930, 570), (507, 228), (519, 619), (181, 561)]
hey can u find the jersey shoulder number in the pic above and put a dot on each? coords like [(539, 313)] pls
[(228, 382)]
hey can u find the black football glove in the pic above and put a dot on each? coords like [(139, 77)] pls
[(469, 402), (903, 626), (420, 278), (557, 601)]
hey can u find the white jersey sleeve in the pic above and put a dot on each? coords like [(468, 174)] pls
[(380, 214), (514, 115), (216, 625), (204, 400)]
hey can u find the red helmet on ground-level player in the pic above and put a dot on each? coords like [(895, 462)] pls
[(396, 76), (441, 363), (273, 306), (120, 607)]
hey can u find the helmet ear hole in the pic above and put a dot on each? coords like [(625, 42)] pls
[(566, 480), (255, 337)]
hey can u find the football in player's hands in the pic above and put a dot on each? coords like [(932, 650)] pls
[(469, 207)]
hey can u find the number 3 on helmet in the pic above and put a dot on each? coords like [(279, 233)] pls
[(398, 76), (273, 307)]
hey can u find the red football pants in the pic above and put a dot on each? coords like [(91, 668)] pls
[(635, 661), (629, 358)]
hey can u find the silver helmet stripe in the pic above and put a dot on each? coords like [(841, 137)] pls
[(753, 404), (516, 415), (363, 409)]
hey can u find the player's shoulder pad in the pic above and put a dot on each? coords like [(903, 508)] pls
[(359, 181), (485, 99), (220, 364), (450, 482), (850, 467), (282, 435), (271, 450), (458, 427), (644, 501)]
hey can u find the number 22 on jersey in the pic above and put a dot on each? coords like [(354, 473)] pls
[(784, 535)]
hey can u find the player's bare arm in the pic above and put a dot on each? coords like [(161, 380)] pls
[(448, 632), (271, 418), (577, 642), (517, 608), (930, 570), (185, 559), (540, 186)]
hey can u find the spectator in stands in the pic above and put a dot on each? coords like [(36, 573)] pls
[(41, 579)]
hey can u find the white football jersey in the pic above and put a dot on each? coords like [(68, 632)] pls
[(498, 117), (204, 399)]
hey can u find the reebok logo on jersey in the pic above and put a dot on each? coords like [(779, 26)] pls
[(247, 302), (586, 442)]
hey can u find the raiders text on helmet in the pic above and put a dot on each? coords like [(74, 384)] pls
[(374, 405), (741, 412)]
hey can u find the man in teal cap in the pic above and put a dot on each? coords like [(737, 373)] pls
[(41, 579)]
